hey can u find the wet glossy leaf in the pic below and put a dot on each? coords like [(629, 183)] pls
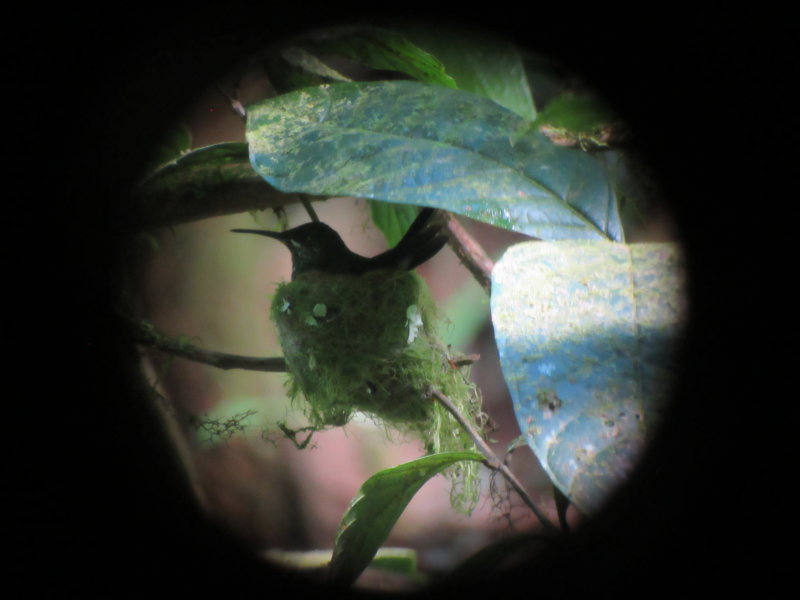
[(412, 143), (586, 333), (377, 506)]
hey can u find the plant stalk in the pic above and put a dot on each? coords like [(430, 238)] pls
[(493, 462)]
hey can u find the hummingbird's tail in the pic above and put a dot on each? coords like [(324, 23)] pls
[(421, 242)]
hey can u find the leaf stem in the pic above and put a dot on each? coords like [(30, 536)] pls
[(470, 252), (309, 209), (493, 462)]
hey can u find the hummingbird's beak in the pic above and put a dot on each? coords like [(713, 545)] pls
[(276, 235)]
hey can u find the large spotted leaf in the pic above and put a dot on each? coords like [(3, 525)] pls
[(414, 143), (586, 333)]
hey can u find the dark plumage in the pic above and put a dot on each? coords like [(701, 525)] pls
[(317, 247)]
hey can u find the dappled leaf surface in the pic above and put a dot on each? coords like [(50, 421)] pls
[(413, 143), (586, 333), (377, 506)]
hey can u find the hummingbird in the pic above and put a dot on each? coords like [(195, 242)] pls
[(317, 247)]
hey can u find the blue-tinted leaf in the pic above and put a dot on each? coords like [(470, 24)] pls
[(377, 506), (586, 333), (413, 143)]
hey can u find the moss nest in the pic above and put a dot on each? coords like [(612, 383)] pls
[(368, 344)]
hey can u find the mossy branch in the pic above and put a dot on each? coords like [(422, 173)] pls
[(147, 335), (175, 207), (492, 461)]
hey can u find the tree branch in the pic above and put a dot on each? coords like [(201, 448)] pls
[(147, 335), (470, 252), (175, 207), (493, 462)]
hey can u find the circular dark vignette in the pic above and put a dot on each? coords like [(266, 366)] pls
[(129, 517)]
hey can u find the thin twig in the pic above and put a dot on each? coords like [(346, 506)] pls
[(470, 252), (493, 462), (309, 209), (147, 335)]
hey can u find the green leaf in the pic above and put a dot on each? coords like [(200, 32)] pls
[(382, 49), (414, 143), (576, 113), (393, 219), (586, 333), (377, 506), (482, 64)]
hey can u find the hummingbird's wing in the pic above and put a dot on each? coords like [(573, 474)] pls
[(421, 242)]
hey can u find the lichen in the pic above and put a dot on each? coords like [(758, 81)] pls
[(373, 349)]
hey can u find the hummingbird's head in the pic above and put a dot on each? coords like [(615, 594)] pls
[(314, 246)]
